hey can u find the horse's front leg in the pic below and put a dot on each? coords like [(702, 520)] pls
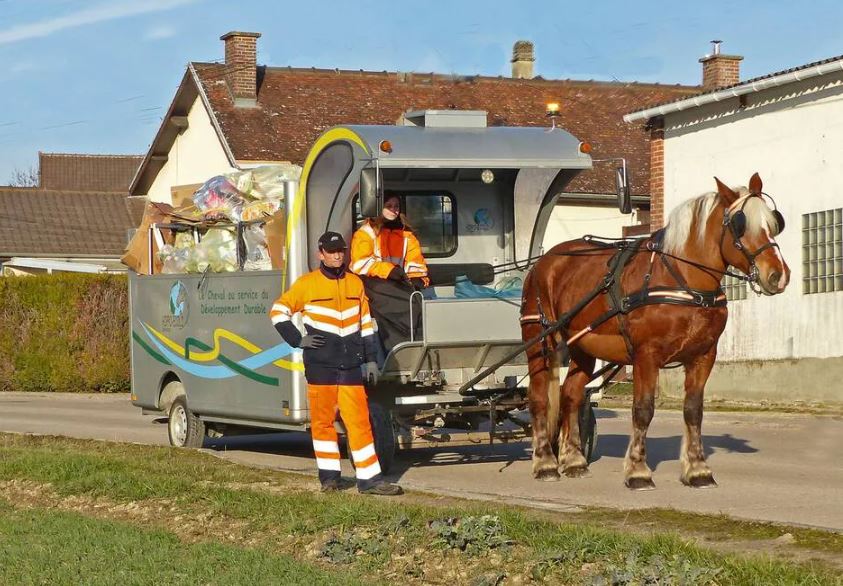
[(572, 461), (695, 471), (637, 475)]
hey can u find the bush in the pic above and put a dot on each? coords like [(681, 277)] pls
[(64, 332)]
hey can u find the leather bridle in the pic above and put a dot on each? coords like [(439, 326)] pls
[(734, 220)]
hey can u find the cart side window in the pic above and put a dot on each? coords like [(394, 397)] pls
[(433, 218)]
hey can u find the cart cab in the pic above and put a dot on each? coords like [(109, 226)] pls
[(479, 197)]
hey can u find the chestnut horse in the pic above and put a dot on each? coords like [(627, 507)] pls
[(703, 237)]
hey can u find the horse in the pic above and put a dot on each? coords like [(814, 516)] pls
[(679, 270)]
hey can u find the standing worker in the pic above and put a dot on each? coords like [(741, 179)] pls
[(339, 348), (386, 253)]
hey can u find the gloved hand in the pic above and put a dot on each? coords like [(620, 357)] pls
[(397, 274), (312, 341), (418, 283), (371, 373)]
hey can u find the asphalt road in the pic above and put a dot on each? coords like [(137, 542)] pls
[(772, 467)]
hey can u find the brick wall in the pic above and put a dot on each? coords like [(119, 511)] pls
[(656, 174), (241, 64), (721, 71)]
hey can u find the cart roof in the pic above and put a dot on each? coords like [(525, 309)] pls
[(500, 147)]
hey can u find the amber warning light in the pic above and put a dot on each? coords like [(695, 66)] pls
[(386, 146), (585, 147)]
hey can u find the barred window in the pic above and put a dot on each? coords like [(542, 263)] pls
[(822, 251), (735, 289)]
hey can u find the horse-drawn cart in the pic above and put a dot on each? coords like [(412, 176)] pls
[(481, 198)]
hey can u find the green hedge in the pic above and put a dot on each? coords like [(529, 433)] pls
[(64, 332)]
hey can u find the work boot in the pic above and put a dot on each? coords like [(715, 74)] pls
[(335, 484), (383, 488)]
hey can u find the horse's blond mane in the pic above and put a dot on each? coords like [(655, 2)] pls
[(693, 214)]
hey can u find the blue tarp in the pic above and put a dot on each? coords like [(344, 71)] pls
[(507, 288)]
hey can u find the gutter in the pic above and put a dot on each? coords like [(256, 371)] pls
[(747, 88)]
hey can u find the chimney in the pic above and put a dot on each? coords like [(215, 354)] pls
[(241, 67), (522, 60), (720, 70)]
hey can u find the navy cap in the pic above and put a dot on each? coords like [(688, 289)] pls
[(332, 242)]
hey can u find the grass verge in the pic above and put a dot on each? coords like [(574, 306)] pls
[(42, 546), (415, 540)]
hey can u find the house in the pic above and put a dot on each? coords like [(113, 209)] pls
[(83, 172), (786, 126), (237, 114), (76, 220)]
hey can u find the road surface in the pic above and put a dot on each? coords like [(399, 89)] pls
[(772, 467)]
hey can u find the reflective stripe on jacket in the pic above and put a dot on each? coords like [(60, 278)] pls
[(335, 307), (375, 255)]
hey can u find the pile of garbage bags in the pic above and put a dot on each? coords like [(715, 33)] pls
[(235, 221)]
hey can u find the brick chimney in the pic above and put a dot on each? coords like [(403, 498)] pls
[(720, 70), (241, 66), (522, 60)]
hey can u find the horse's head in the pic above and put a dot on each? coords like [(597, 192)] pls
[(747, 237)]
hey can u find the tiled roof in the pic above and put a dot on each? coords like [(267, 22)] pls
[(38, 222), (294, 106), (75, 172), (747, 82)]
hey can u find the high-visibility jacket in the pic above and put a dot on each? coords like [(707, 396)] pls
[(336, 307), (375, 255)]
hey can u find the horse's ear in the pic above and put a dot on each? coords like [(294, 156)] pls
[(755, 183), (725, 192)]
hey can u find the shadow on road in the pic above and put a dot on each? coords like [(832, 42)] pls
[(659, 449), (665, 449)]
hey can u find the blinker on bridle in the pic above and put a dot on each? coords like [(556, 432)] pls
[(735, 222)]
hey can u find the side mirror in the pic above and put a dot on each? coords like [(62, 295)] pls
[(371, 192), (622, 185)]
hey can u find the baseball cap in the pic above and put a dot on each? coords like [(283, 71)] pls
[(332, 242)]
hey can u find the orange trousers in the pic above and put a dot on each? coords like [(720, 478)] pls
[(354, 410)]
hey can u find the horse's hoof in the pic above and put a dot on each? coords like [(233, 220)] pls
[(577, 472), (547, 475), (701, 481), (638, 483)]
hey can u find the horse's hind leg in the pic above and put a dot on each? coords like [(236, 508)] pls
[(638, 475), (695, 471), (543, 398), (572, 461)]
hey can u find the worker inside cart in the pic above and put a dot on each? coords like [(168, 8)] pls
[(386, 254)]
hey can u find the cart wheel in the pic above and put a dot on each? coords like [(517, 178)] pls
[(384, 433), (588, 429), (184, 428)]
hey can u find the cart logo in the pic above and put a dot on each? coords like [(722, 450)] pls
[(483, 221), (179, 309)]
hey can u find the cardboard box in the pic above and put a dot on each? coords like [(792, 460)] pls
[(136, 256), (275, 230), (182, 195)]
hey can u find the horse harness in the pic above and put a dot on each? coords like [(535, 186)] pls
[(734, 220)]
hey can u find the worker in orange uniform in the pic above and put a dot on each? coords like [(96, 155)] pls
[(386, 253), (339, 351)]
